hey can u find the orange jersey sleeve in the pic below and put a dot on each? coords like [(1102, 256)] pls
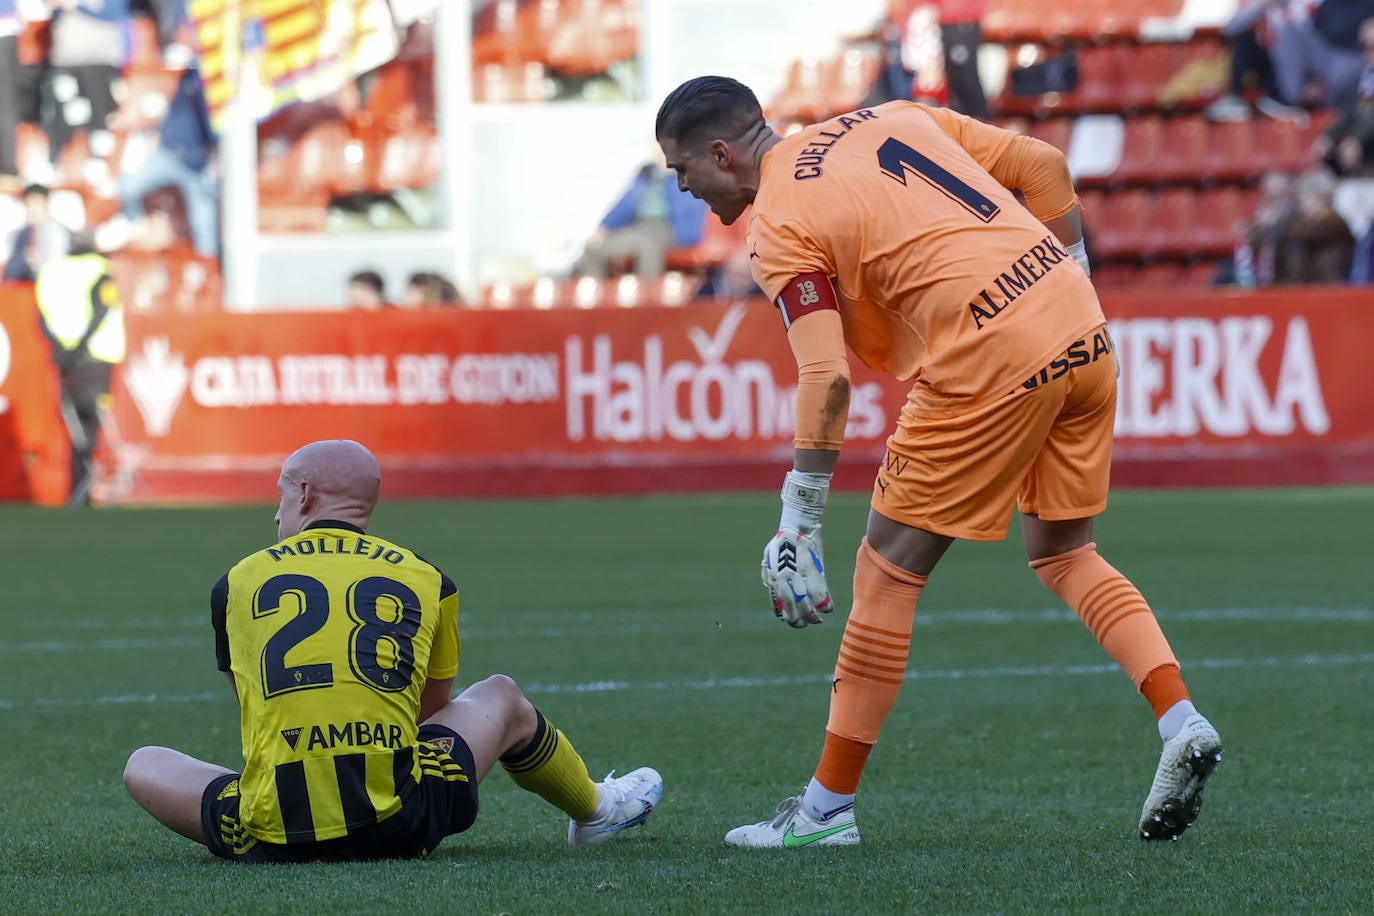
[(941, 274)]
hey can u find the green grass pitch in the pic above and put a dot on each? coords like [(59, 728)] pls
[(1009, 778)]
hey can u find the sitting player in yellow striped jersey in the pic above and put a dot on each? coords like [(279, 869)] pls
[(342, 648)]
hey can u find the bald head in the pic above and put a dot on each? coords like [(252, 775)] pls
[(335, 479)]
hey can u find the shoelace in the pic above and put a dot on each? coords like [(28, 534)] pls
[(786, 808)]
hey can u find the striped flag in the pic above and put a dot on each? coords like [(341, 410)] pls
[(278, 52)]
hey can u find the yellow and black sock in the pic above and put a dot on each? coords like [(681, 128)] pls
[(550, 767)]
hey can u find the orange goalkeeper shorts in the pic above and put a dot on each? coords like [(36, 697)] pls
[(1046, 447)]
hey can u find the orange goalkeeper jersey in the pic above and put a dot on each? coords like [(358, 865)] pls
[(941, 274)]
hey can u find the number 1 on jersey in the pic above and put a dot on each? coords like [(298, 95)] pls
[(895, 157)]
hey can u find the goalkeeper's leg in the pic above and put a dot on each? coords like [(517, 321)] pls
[(873, 655)]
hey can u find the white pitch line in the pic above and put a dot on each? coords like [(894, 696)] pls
[(945, 674), (760, 621)]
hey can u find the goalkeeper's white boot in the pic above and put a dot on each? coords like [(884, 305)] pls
[(792, 826), (1187, 762), (625, 803)]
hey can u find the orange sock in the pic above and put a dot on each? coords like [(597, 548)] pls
[(870, 668), (1164, 687), (1119, 618)]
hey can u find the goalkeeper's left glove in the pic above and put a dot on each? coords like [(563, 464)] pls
[(793, 568)]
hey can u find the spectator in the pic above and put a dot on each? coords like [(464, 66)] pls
[(427, 289), (1250, 66), (1347, 146), (1268, 236), (367, 291), (1316, 40), (1321, 245), (83, 319), (651, 218), (11, 24), (41, 240), (184, 159), (961, 35), (89, 38)]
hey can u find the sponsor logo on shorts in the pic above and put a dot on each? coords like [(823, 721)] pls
[(230, 790), (1079, 353)]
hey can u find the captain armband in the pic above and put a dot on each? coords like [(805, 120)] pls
[(804, 294)]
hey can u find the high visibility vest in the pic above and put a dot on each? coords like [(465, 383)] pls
[(67, 292)]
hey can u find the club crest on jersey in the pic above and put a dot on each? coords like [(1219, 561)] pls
[(291, 736)]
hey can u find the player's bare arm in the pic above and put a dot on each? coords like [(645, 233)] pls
[(436, 694)]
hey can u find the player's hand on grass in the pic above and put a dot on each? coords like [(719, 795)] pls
[(794, 574)]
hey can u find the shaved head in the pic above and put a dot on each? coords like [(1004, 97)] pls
[(334, 479)]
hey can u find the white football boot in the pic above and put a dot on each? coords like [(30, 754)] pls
[(792, 826), (1187, 762), (625, 802)]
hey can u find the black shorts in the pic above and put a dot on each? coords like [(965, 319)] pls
[(444, 802)]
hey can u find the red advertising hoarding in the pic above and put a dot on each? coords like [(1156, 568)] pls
[(1259, 389)]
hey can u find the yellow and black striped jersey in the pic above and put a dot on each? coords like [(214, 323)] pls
[(331, 636)]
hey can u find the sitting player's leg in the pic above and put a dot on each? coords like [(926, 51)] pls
[(497, 722), (171, 786), (1064, 490)]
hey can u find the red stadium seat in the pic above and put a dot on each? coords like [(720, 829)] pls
[(1140, 150), (1146, 70), (1013, 20), (1124, 218), (1160, 274), (1171, 221), (510, 82), (1102, 76), (1115, 276), (1113, 19), (849, 78), (1183, 149), (1057, 132), (1219, 212), (718, 242), (1229, 146)]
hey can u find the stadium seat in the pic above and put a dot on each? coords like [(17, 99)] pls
[(1201, 273), (1219, 211), (1146, 70), (1281, 145), (520, 82), (1102, 77), (591, 35), (1110, 19), (1115, 276), (848, 79), (803, 94), (1229, 150), (718, 242), (1057, 132), (1119, 228), (1140, 150), (1160, 274), (1006, 21), (1183, 149), (1171, 220)]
